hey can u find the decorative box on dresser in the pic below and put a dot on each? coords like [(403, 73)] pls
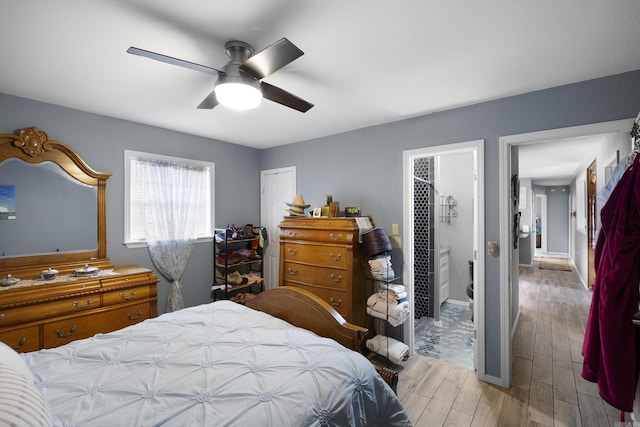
[(325, 257), (88, 294)]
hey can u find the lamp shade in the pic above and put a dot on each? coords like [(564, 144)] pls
[(238, 93)]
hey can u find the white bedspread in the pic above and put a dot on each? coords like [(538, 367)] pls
[(216, 364)]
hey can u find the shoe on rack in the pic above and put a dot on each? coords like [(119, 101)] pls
[(252, 278), (234, 278)]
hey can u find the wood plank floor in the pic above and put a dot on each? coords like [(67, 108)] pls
[(547, 387)]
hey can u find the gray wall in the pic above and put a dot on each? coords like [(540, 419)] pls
[(558, 219), (359, 168), (101, 141), (611, 143), (364, 167), (456, 179)]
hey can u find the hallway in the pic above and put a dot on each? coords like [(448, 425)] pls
[(547, 387)]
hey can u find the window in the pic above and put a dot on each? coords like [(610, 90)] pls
[(135, 217)]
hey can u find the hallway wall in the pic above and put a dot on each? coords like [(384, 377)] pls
[(558, 219)]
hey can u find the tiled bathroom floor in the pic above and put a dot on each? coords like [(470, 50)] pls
[(453, 341)]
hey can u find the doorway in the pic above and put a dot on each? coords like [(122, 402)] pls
[(435, 210), (615, 132), (277, 187), (592, 221)]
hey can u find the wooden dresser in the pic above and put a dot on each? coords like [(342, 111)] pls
[(324, 256), (37, 314)]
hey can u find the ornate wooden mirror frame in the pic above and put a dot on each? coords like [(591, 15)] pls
[(33, 146)]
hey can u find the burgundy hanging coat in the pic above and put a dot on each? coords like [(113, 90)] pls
[(611, 347)]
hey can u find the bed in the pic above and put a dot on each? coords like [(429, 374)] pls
[(220, 364)]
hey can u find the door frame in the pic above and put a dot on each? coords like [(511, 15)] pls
[(504, 165), (477, 147)]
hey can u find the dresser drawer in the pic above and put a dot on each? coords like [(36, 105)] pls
[(330, 236), (123, 316), (64, 331), (130, 294), (321, 276), (336, 298), (326, 255), (126, 280), (22, 339), (30, 313)]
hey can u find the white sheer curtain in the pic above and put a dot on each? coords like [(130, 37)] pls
[(171, 194)]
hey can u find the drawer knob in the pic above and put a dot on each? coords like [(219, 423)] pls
[(1, 316), (335, 303), (20, 344), (292, 252), (71, 331), (293, 271), (77, 304), (292, 233), (127, 298), (336, 279), (335, 257), (335, 236), (134, 317)]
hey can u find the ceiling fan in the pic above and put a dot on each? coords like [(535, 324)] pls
[(239, 82)]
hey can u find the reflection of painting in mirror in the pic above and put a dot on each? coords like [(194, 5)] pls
[(57, 213), (7, 202)]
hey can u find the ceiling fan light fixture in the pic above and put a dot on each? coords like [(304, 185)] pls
[(238, 93)]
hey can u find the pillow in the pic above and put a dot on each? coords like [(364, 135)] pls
[(21, 403), (13, 360)]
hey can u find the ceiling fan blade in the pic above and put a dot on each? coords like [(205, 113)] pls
[(272, 58), (209, 102), (285, 98), (173, 61)]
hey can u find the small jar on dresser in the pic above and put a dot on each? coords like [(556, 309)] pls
[(324, 256)]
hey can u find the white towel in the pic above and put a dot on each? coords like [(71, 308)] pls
[(393, 321), (379, 303), (390, 348), (397, 289), (391, 296), (396, 311)]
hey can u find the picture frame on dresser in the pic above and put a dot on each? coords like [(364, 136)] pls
[(36, 313)]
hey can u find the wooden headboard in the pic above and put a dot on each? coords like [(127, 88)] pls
[(306, 310)]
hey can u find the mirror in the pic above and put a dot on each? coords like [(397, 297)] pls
[(58, 203), (47, 211)]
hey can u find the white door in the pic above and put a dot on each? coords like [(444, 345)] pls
[(277, 187)]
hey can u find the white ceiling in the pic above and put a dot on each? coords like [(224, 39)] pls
[(366, 62), (558, 162)]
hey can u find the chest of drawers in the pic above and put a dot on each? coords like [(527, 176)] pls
[(324, 256), (45, 315)]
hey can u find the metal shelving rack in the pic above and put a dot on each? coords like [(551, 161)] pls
[(221, 288)]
